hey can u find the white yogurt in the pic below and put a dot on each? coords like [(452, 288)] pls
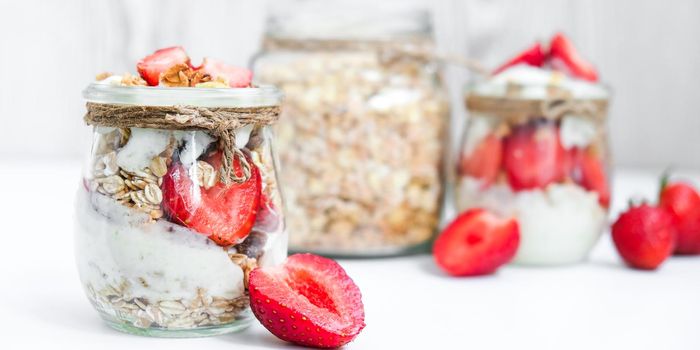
[(558, 225), (114, 243)]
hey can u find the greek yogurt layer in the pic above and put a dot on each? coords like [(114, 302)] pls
[(558, 225), (159, 260)]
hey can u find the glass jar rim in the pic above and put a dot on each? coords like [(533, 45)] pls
[(343, 21), (258, 96)]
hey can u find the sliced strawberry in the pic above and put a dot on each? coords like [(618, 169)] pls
[(682, 201), (225, 213), (309, 300), (534, 157), (533, 56), (564, 57), (477, 242), (589, 172), (484, 162), (644, 236), (236, 76), (151, 66)]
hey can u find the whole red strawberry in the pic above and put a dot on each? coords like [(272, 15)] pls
[(683, 202), (534, 157), (644, 236), (477, 242), (309, 301)]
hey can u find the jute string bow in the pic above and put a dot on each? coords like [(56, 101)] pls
[(220, 122)]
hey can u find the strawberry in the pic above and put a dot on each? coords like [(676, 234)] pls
[(682, 201), (533, 56), (225, 213), (564, 57), (534, 157), (152, 65), (236, 76), (477, 242), (589, 172), (644, 236), (309, 300), (484, 161)]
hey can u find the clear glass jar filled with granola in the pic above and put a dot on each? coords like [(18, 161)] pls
[(536, 148), (362, 135), (179, 198)]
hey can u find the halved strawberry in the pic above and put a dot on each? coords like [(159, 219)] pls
[(682, 201), (236, 76), (484, 162), (309, 300), (533, 56), (225, 213), (534, 157), (152, 65), (589, 171), (477, 242), (564, 57)]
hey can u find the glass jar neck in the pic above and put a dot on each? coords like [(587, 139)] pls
[(343, 22)]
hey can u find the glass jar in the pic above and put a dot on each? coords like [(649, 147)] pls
[(362, 133), (537, 150), (164, 244)]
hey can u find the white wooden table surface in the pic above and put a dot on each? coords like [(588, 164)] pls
[(409, 304)]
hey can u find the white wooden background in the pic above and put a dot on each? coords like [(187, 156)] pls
[(648, 51)]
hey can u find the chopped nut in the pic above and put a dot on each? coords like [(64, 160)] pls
[(132, 80)]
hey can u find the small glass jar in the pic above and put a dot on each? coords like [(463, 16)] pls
[(163, 244), (538, 151), (362, 133)]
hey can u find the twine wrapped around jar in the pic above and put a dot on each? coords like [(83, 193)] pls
[(558, 103), (221, 122)]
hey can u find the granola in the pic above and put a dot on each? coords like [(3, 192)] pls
[(361, 144)]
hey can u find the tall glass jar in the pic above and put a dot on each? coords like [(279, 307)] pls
[(536, 148), (362, 133), (164, 240)]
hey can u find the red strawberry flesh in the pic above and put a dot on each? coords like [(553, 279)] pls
[(564, 57), (151, 66), (533, 56), (484, 162), (310, 301), (237, 77), (225, 213), (477, 242), (534, 157)]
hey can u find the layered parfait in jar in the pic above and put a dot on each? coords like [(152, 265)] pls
[(179, 200), (535, 148)]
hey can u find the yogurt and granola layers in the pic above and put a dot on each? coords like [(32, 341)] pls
[(164, 240), (536, 149)]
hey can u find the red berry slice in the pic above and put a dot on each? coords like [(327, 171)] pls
[(484, 162), (682, 201), (533, 56), (644, 236), (589, 172), (564, 57), (477, 242), (225, 213), (151, 66), (534, 157), (237, 77), (309, 300)]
